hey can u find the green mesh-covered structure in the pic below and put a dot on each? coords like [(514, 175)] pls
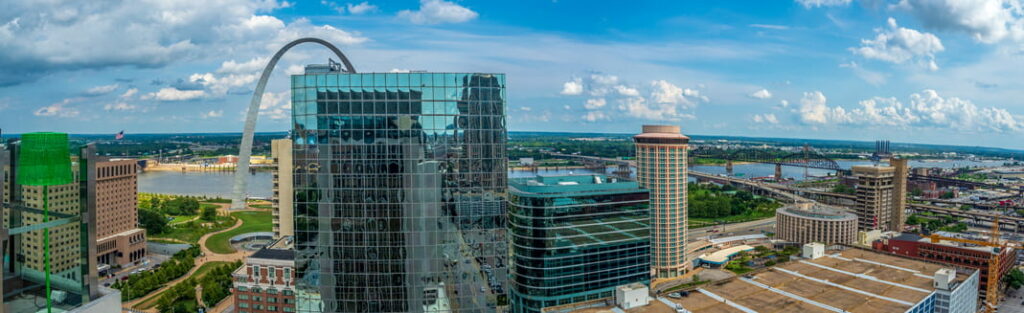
[(44, 160)]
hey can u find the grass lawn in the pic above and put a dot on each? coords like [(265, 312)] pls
[(191, 232), (252, 221), (181, 218), (702, 222), (262, 206)]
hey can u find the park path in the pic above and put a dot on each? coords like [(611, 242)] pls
[(207, 256)]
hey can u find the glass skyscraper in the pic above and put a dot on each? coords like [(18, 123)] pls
[(400, 191), (575, 238)]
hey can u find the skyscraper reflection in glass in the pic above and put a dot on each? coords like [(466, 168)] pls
[(400, 185)]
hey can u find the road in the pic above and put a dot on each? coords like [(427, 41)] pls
[(737, 229)]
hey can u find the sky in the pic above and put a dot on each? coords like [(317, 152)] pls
[(920, 71)]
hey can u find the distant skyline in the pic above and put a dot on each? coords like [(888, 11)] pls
[(917, 71)]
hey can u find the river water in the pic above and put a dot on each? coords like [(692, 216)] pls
[(219, 184)]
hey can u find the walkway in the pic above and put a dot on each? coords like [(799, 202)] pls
[(206, 256)]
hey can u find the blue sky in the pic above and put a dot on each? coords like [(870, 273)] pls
[(924, 71)]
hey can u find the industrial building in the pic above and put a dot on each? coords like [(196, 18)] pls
[(808, 222), (948, 252), (849, 280), (575, 239)]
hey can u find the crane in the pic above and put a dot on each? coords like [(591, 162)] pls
[(994, 273)]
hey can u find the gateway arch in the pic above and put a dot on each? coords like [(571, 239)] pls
[(245, 149)]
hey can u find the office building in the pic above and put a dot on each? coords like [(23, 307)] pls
[(575, 239), (400, 191), (661, 168), (875, 196), (850, 280), (50, 206), (809, 222), (266, 282), (120, 240), (950, 253), (283, 208), (899, 197)]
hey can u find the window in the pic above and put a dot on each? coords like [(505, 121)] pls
[(243, 305), (272, 273), (243, 297)]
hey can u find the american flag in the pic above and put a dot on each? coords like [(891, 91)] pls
[(119, 136)]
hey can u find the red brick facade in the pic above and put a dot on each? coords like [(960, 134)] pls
[(272, 290)]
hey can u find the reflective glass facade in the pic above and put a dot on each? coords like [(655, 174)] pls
[(575, 238), (400, 192)]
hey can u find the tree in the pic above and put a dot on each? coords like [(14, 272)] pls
[(153, 222), (947, 195), (1015, 278), (209, 213)]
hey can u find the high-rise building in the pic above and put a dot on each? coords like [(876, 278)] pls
[(119, 239), (574, 239), (899, 190), (50, 204), (283, 208), (875, 196), (661, 168), (400, 191), (266, 282)]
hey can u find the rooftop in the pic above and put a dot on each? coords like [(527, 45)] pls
[(559, 186), (853, 280), (817, 211), (274, 254)]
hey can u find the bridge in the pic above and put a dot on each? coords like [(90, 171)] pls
[(944, 181), (806, 158)]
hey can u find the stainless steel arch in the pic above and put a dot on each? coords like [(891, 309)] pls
[(245, 149)]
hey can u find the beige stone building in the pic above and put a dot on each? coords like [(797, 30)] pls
[(661, 153), (899, 201), (875, 195), (283, 221), (809, 222), (119, 240)]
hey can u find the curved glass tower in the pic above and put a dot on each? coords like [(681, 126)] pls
[(400, 182)]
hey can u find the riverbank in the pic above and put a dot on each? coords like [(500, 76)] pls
[(189, 167)]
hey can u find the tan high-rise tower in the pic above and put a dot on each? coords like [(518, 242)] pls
[(281, 152), (661, 168), (875, 195), (899, 200)]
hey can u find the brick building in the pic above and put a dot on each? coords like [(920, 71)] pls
[(952, 253), (266, 283), (119, 239)]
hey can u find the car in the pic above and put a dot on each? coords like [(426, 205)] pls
[(106, 284), (675, 295)]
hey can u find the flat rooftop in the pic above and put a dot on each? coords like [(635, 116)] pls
[(853, 280)]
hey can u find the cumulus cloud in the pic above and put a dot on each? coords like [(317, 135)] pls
[(234, 67), (823, 3), (129, 93), (100, 90), (594, 116), (761, 94), (39, 38), (573, 87), (212, 114), (174, 94), (784, 103), (119, 106), (767, 118), (924, 109), (986, 21), (593, 104), (361, 8), (59, 109), (276, 106), (627, 91), (438, 12), (898, 45)]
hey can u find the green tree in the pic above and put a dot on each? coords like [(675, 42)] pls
[(1015, 278), (209, 213), (153, 222)]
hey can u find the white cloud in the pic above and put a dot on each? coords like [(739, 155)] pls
[(276, 106), (59, 109), (361, 8), (437, 12), (869, 76), (986, 21), (627, 91), (823, 3), (101, 90), (129, 93), (119, 106), (593, 104), (604, 79), (594, 116), (174, 94), (573, 87), (768, 118), (40, 38), (212, 114), (898, 45), (770, 26), (666, 93), (233, 67), (784, 103), (761, 94), (925, 109)]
